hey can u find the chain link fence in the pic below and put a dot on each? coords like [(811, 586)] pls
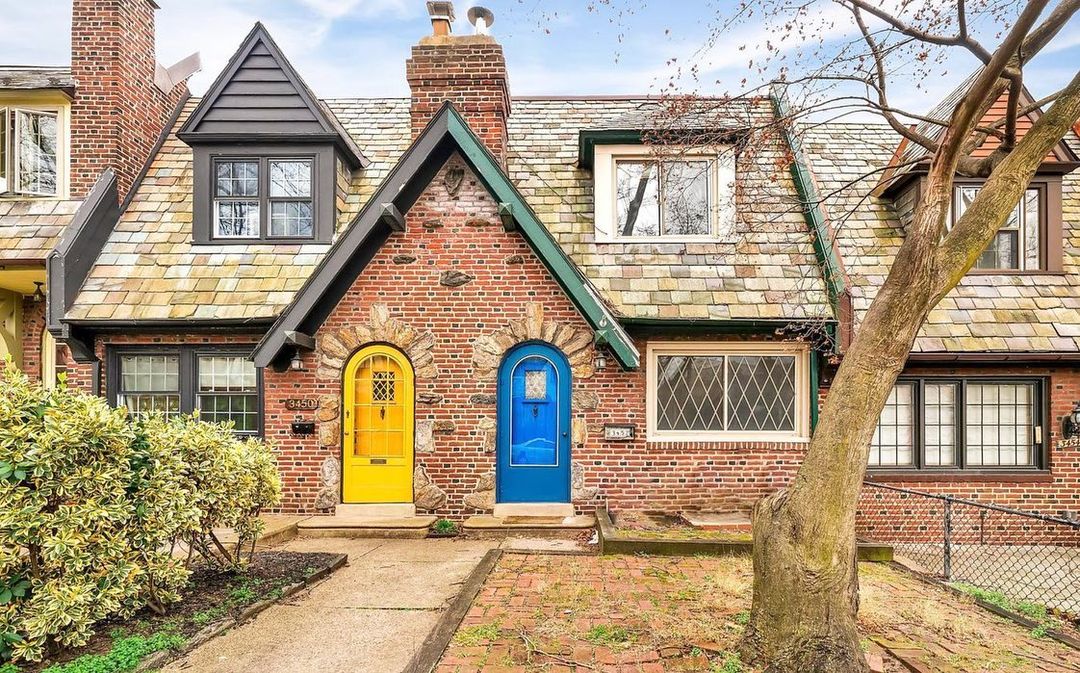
[(1022, 555)]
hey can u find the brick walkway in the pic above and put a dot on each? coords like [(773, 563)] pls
[(563, 614)]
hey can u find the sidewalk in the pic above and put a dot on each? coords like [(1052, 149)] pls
[(370, 616)]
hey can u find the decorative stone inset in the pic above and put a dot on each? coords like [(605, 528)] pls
[(575, 343), (482, 398), (585, 400), (578, 490), (478, 222), (328, 408), (483, 496), (404, 259), (455, 278), (330, 482), (429, 398), (486, 426), (425, 437), (329, 433), (431, 224), (515, 259), (426, 495), (444, 427), (452, 179)]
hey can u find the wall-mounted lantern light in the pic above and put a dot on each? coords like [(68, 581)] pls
[(1070, 424), (600, 361), (39, 296), (296, 364)]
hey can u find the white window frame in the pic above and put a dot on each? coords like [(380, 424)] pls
[(6, 144), (802, 389), (720, 187), (61, 153)]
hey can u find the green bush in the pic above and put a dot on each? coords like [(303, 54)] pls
[(93, 505)]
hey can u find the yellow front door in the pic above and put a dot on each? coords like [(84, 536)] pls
[(378, 427)]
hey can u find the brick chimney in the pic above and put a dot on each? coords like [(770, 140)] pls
[(118, 111), (468, 70)]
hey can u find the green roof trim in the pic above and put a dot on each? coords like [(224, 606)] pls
[(588, 140), (543, 244), (823, 240), (355, 247)]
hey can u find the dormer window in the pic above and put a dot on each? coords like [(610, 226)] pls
[(1020, 244), (251, 193), (29, 152), (649, 194)]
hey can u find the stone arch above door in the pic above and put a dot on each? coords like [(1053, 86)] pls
[(576, 343), (335, 346)]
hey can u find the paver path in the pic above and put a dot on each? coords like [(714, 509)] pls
[(370, 616)]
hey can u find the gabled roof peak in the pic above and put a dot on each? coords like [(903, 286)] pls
[(260, 97)]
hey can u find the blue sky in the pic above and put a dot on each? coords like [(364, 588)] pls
[(359, 47)]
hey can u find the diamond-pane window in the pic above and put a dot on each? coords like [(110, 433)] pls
[(382, 387), (735, 393)]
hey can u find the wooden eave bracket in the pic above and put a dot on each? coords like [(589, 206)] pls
[(300, 340), (391, 217), (506, 214)]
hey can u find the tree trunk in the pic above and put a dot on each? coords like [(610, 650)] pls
[(806, 590)]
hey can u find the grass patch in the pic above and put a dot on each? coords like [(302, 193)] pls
[(742, 618), (729, 662), (477, 635), (1033, 611), (444, 527), (126, 653), (606, 634)]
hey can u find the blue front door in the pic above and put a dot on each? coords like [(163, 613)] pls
[(533, 439)]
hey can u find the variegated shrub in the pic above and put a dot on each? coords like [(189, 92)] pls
[(93, 507)]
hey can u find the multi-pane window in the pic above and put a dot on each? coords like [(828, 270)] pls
[(663, 198), (263, 198), (290, 199), (150, 383), (1018, 244), (227, 391), (236, 199), (936, 424), (221, 386), (29, 152), (716, 393)]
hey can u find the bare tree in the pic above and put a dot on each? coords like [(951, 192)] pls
[(848, 57)]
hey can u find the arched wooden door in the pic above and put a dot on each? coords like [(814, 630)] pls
[(533, 436), (377, 464)]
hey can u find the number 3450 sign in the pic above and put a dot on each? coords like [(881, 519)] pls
[(301, 403)]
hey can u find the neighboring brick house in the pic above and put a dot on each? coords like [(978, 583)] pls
[(60, 128), (466, 301)]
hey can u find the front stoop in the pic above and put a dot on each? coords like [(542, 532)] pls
[(485, 526), (277, 528), (353, 526)]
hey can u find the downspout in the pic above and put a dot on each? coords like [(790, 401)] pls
[(821, 232)]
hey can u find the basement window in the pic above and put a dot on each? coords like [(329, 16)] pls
[(645, 195), (29, 152), (958, 424)]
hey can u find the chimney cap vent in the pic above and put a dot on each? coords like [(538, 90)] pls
[(441, 9), (481, 18)]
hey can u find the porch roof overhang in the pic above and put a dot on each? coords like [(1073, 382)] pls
[(445, 134)]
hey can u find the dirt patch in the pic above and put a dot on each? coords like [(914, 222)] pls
[(209, 597), (681, 614)]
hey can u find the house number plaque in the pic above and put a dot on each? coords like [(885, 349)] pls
[(618, 433), (301, 404)]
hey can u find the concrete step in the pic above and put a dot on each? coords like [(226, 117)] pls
[(486, 526), (277, 528), (366, 526), (390, 510), (727, 522), (541, 509)]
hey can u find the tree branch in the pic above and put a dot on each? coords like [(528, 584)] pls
[(961, 40)]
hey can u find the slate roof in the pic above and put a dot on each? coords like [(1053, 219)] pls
[(29, 229), (36, 77), (149, 269), (1027, 313)]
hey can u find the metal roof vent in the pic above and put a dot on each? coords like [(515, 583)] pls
[(442, 17), (481, 18)]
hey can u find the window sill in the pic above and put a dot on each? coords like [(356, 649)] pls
[(725, 439), (656, 240), (260, 241), (1013, 272), (960, 475)]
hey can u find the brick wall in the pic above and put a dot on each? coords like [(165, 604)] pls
[(462, 233), (118, 112), (33, 326), (468, 70)]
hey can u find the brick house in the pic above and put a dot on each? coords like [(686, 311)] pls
[(465, 301)]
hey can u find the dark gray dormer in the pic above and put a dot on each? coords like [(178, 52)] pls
[(266, 153)]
